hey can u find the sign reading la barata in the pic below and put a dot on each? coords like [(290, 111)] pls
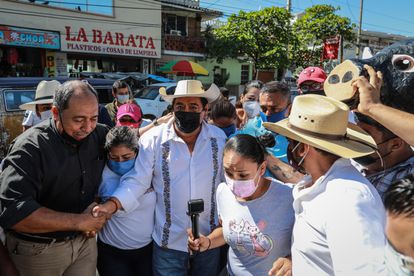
[(95, 40)]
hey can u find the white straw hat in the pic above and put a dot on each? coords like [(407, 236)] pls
[(44, 94), (192, 88), (322, 122)]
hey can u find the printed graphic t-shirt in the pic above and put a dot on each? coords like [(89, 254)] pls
[(258, 231)]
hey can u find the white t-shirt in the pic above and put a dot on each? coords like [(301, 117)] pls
[(258, 231), (31, 118), (132, 229), (339, 226)]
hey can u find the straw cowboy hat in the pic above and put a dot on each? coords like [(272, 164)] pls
[(191, 88), (44, 94), (322, 122)]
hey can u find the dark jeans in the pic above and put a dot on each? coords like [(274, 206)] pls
[(113, 261), (169, 262)]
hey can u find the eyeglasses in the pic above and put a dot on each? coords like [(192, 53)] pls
[(311, 87)]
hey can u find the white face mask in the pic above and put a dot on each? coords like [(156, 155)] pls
[(45, 115), (252, 108), (122, 98)]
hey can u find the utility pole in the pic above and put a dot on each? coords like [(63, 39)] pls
[(358, 49), (289, 5)]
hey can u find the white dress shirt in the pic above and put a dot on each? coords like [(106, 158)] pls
[(339, 227), (177, 176)]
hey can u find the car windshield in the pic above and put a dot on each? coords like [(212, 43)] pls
[(151, 92), (15, 98)]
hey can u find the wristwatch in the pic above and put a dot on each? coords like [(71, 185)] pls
[(155, 122)]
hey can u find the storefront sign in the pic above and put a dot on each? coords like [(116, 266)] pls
[(29, 37), (56, 65), (94, 40)]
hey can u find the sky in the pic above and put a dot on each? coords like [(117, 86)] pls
[(389, 16)]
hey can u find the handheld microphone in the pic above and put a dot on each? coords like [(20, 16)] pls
[(195, 207)]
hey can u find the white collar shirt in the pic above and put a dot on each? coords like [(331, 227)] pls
[(177, 176), (339, 227)]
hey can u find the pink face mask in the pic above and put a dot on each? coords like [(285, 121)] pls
[(242, 188)]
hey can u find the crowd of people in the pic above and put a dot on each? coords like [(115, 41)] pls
[(301, 186)]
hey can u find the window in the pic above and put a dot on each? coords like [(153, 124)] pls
[(175, 25), (14, 98), (104, 7), (245, 69)]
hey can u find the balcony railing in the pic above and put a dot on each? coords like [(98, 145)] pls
[(189, 3), (183, 43)]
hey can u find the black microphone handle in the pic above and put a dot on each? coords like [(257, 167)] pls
[(194, 226)]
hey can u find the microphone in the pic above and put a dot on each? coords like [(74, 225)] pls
[(195, 208)]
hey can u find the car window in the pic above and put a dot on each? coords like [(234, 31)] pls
[(170, 91), (148, 93), (14, 98), (104, 94)]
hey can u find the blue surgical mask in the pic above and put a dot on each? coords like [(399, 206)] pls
[(122, 98), (121, 168), (276, 117), (229, 130)]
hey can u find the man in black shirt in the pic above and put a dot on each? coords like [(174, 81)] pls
[(47, 187)]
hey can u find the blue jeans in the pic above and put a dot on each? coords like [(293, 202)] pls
[(176, 263)]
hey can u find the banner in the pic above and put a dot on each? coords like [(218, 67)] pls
[(29, 38), (331, 48)]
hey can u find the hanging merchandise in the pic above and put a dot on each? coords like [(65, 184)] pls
[(12, 56)]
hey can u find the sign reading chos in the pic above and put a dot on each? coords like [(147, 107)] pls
[(95, 40)]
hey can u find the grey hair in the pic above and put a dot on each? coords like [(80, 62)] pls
[(66, 90), (276, 87), (122, 136)]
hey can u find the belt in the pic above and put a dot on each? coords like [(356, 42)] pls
[(39, 239)]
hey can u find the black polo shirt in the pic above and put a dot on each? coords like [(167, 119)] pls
[(42, 169)]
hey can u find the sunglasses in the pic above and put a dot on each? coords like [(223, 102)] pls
[(311, 87), (128, 120)]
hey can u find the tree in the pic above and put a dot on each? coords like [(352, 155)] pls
[(260, 36), (317, 23)]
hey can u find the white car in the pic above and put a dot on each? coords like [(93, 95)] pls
[(150, 100)]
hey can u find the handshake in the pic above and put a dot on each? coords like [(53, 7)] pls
[(96, 215)]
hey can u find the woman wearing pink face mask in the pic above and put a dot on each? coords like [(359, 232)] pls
[(256, 213)]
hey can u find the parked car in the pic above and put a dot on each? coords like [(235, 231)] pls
[(150, 100), (17, 91)]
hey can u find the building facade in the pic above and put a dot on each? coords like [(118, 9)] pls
[(42, 39)]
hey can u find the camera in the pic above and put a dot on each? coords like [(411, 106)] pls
[(195, 206)]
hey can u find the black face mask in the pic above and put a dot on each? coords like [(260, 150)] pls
[(368, 159), (317, 92), (187, 122)]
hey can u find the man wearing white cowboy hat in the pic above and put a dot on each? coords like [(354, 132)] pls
[(340, 219), (39, 110), (182, 160)]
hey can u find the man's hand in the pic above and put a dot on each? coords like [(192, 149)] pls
[(88, 223), (369, 91), (281, 267), (197, 245)]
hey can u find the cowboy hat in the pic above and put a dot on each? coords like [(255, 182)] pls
[(191, 88), (44, 94), (322, 122)]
